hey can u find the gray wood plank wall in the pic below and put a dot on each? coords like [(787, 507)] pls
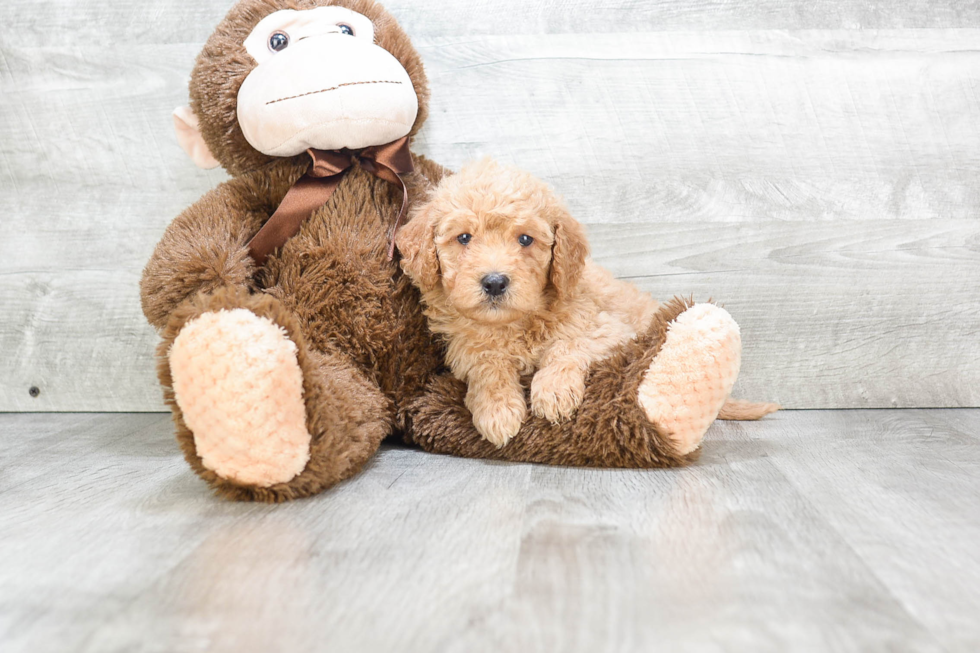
[(812, 166)]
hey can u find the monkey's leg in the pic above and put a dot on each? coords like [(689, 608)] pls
[(692, 375), (638, 410), (259, 415)]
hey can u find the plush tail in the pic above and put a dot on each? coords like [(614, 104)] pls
[(739, 409)]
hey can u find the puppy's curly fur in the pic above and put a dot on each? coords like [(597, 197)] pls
[(556, 315)]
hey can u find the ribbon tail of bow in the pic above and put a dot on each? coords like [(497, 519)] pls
[(398, 220), (392, 162)]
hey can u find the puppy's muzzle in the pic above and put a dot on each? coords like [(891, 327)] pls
[(495, 284)]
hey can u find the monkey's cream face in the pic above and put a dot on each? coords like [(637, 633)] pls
[(359, 96)]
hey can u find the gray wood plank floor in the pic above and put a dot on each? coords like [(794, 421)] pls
[(809, 531)]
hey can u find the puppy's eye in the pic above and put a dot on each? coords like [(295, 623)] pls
[(346, 29), (278, 41), (464, 239), (525, 240)]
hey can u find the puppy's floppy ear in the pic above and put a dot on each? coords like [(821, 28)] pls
[(417, 243), (568, 254)]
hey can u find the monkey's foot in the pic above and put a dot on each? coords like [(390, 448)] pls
[(240, 389), (690, 379)]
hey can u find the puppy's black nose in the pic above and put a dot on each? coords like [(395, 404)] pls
[(494, 284)]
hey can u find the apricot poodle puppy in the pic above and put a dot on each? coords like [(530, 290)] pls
[(506, 279)]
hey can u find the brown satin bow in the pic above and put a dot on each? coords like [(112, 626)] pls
[(312, 190)]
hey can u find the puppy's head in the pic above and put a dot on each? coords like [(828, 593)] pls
[(495, 242)]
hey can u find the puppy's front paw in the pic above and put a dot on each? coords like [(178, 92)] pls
[(497, 416), (498, 424), (556, 393)]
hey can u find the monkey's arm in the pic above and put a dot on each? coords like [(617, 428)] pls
[(204, 248)]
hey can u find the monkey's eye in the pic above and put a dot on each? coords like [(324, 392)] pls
[(524, 240), (464, 239), (346, 29), (278, 41)]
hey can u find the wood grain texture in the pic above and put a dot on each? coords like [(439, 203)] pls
[(811, 530), (819, 181), (837, 313), (86, 22), (897, 486)]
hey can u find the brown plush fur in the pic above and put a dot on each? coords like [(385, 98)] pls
[(370, 365)]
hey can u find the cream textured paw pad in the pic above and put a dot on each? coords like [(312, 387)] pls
[(240, 389), (689, 380)]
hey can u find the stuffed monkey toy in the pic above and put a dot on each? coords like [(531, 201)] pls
[(292, 343)]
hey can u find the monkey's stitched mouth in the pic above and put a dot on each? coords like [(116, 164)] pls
[(332, 88)]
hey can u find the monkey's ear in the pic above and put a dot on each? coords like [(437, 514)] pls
[(417, 243), (568, 254), (190, 139)]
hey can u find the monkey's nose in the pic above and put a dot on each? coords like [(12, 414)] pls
[(494, 284)]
